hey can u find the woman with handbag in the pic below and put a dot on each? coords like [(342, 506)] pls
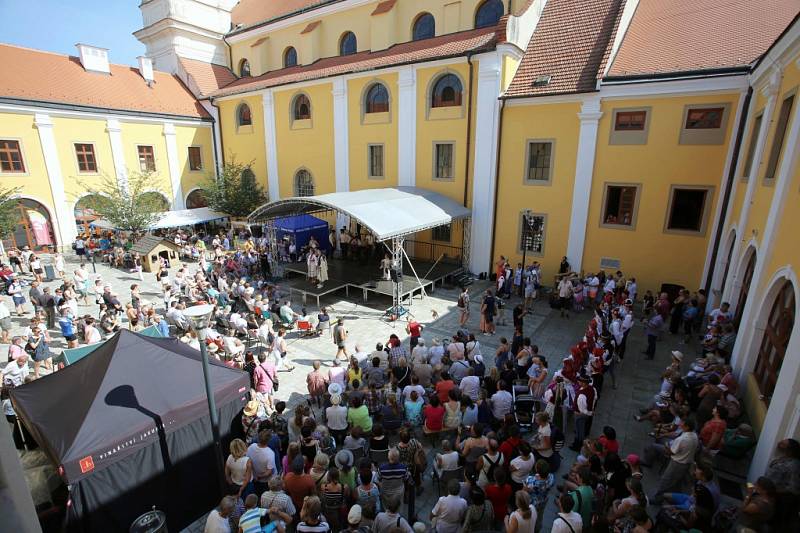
[(38, 347)]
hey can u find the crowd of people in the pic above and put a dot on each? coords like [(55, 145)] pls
[(350, 457)]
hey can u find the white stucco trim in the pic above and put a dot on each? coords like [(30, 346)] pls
[(341, 144), (173, 164), (98, 115), (677, 86), (624, 23), (407, 127), (742, 358), (584, 169), (271, 146), (114, 130), (64, 217), (724, 189), (770, 91), (484, 175)]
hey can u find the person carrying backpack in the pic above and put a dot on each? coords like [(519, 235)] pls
[(488, 463)]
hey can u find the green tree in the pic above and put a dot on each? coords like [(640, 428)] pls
[(8, 210), (234, 190), (132, 207)]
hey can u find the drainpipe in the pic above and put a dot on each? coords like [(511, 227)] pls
[(469, 127), (221, 157), (230, 53), (497, 175), (726, 200)]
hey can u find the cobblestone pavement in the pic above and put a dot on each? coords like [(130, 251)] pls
[(637, 379)]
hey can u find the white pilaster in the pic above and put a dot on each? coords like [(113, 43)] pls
[(770, 91), (723, 192), (271, 146), (484, 173), (114, 130), (341, 143), (214, 112), (174, 166), (64, 215), (745, 349), (407, 127), (584, 170)]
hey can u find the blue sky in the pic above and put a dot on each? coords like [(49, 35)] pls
[(56, 25)]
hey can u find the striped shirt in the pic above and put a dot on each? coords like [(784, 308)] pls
[(393, 471), (250, 521)]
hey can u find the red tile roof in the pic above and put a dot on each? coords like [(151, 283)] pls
[(568, 45), (450, 45), (206, 77), (672, 36), (251, 12), (384, 7), (41, 76)]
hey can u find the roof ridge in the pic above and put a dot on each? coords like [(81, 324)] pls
[(70, 56)]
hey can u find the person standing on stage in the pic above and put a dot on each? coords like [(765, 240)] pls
[(344, 241), (386, 266)]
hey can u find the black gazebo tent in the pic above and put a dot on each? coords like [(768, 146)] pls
[(128, 427)]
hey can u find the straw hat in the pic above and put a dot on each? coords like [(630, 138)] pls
[(334, 389), (677, 355), (251, 408), (354, 516), (344, 458)]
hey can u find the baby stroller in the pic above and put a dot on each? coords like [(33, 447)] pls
[(524, 409)]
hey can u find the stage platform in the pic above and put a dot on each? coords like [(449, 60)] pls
[(346, 275)]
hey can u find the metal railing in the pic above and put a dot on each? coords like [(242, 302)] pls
[(431, 251)]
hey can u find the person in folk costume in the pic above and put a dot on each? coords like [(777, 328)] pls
[(626, 314), (322, 269), (585, 401), (615, 328), (606, 344), (596, 368), (554, 397), (313, 264)]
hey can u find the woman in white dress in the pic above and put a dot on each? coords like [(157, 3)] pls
[(322, 270), (313, 264), (386, 265)]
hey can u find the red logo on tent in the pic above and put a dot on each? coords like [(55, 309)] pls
[(87, 464)]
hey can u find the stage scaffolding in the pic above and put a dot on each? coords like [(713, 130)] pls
[(390, 215)]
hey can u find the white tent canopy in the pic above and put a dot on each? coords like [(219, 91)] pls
[(174, 219), (390, 212)]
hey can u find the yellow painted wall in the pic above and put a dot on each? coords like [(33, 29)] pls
[(134, 134), (306, 144), (442, 125), (244, 144), (69, 131), (34, 182), (374, 128), (557, 122), (186, 136), (268, 55), (658, 165)]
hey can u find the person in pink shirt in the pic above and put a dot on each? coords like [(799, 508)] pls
[(337, 374), (264, 377), (15, 350)]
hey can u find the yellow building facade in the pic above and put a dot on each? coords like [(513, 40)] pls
[(54, 149)]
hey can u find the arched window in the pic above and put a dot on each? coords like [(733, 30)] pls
[(424, 27), (244, 68), (377, 99), (303, 183), (776, 337), (301, 108), (196, 199), (489, 13), (348, 44), (243, 116), (290, 57), (447, 92), (747, 277), (154, 199)]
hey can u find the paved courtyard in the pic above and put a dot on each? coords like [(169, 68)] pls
[(637, 379)]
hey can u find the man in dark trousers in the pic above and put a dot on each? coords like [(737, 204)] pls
[(584, 411)]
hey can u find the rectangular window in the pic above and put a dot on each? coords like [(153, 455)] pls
[(540, 161), (441, 233), (11, 157), (687, 209), (147, 159), (620, 205), (704, 118), (443, 161), (630, 120), (777, 141), (375, 160), (531, 233), (195, 158), (751, 147), (86, 158)]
